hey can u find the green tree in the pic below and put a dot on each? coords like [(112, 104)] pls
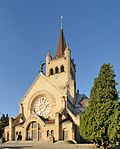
[(101, 121), (4, 121)]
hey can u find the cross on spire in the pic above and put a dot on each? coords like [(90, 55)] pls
[(61, 21)]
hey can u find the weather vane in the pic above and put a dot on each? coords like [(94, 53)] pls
[(61, 20)]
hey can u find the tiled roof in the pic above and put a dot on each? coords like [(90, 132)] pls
[(81, 103), (80, 97)]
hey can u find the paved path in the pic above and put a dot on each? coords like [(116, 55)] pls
[(29, 145), (44, 145)]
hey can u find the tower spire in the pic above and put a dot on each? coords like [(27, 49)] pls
[(61, 46)]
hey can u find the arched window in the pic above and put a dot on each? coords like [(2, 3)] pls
[(34, 124), (47, 133), (51, 72), (56, 70), (61, 68), (33, 131), (52, 133)]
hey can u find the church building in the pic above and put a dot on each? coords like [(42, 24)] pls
[(51, 108)]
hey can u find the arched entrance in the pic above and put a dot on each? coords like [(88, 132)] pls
[(33, 131)]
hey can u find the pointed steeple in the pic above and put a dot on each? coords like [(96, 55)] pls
[(61, 45)]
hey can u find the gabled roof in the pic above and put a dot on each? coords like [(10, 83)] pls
[(70, 115), (19, 119), (80, 97), (61, 45)]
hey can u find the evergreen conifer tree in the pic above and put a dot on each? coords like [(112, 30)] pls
[(4, 121), (101, 121)]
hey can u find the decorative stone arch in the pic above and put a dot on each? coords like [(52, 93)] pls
[(30, 120), (56, 70), (33, 131), (62, 69), (51, 72), (33, 118), (41, 93)]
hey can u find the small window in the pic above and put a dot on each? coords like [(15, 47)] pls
[(51, 71), (56, 70), (52, 133), (62, 68), (47, 133)]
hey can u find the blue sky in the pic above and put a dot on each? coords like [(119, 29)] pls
[(29, 28)]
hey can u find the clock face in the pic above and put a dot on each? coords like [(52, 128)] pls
[(42, 107)]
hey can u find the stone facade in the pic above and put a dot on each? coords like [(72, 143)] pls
[(48, 109)]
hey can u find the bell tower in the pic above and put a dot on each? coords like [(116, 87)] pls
[(61, 69)]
